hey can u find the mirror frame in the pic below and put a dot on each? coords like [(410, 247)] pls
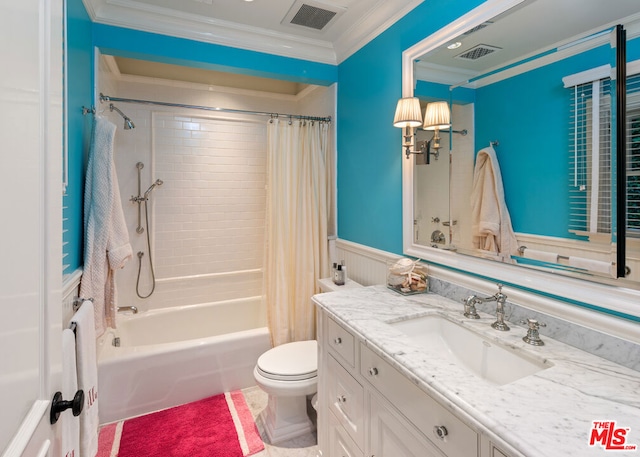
[(612, 299)]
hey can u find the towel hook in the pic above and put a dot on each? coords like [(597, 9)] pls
[(58, 405)]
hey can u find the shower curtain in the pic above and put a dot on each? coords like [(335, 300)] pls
[(296, 252)]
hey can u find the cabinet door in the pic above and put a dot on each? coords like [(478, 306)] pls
[(391, 436), (346, 400)]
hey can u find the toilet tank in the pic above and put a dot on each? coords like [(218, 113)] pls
[(327, 285)]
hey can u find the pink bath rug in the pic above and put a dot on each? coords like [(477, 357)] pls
[(220, 426)]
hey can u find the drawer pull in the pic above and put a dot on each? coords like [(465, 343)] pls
[(342, 399), (337, 341), (440, 431), (373, 371)]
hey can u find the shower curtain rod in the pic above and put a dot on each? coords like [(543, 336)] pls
[(107, 98)]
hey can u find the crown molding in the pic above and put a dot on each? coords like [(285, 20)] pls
[(385, 14), (145, 17), (154, 19)]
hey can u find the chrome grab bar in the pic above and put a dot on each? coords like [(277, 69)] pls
[(133, 309)]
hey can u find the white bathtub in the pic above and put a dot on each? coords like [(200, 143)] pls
[(172, 356)]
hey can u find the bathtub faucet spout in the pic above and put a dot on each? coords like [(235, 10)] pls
[(133, 309)]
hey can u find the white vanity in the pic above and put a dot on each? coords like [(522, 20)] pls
[(410, 376)]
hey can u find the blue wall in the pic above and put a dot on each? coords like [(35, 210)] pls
[(369, 147), (79, 77), (536, 108), (179, 51), (529, 115)]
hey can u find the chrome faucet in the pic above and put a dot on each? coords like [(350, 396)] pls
[(500, 298)]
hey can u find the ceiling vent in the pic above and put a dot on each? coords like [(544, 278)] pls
[(311, 14), (478, 52), (477, 27)]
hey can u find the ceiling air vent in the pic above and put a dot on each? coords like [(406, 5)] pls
[(477, 27), (477, 52), (311, 14)]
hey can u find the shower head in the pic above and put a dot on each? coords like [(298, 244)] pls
[(158, 182), (128, 123)]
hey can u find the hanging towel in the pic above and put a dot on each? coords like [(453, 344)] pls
[(544, 256), (107, 247), (70, 424), (594, 266), (490, 221), (87, 378)]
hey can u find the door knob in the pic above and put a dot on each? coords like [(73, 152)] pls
[(58, 405)]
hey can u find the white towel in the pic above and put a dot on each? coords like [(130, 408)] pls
[(70, 424), (490, 221), (106, 238), (595, 266), (544, 256), (87, 378)]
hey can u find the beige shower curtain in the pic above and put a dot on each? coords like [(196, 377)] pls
[(296, 251)]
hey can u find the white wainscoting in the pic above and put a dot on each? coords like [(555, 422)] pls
[(365, 265)]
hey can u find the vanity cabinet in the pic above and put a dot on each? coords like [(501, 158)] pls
[(369, 408)]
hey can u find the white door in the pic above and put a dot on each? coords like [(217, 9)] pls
[(30, 224)]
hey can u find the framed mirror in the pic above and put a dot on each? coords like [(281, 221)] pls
[(532, 81)]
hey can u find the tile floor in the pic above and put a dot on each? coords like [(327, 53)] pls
[(304, 446)]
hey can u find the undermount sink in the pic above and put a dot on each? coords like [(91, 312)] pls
[(485, 359)]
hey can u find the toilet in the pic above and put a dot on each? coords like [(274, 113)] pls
[(288, 374)]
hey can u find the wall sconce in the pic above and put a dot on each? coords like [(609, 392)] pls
[(436, 117), (407, 117)]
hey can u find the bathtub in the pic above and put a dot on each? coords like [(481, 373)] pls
[(172, 356)]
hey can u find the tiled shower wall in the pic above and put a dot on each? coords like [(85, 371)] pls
[(207, 219)]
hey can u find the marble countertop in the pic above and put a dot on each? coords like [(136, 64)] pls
[(547, 414)]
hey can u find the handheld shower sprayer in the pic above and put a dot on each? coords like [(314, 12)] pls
[(158, 182), (140, 199)]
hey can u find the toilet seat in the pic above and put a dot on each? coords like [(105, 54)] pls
[(296, 361)]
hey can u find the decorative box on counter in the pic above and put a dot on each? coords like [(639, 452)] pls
[(407, 276)]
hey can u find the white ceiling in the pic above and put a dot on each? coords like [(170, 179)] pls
[(259, 25)]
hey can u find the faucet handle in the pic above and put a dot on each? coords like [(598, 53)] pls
[(533, 335), (532, 323), (470, 311)]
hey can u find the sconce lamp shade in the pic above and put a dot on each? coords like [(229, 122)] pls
[(408, 113), (437, 116)]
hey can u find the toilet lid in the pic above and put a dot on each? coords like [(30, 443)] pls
[(290, 362)]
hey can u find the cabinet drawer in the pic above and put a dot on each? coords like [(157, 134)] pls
[(346, 400), (340, 445), (341, 341), (445, 430)]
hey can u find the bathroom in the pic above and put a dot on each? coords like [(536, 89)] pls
[(364, 84)]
